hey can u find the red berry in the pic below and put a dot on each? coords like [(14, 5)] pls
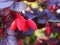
[(25, 29), (20, 23), (13, 25), (32, 24)]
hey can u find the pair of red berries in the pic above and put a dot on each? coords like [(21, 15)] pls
[(22, 24)]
